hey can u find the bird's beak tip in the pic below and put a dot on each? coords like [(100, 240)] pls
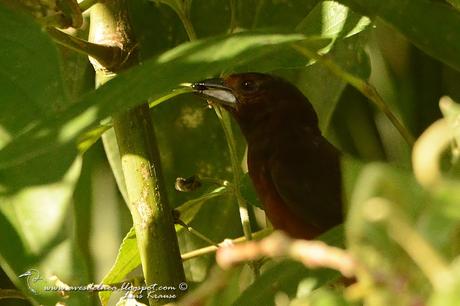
[(215, 90)]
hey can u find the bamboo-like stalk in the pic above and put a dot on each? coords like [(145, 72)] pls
[(140, 161)]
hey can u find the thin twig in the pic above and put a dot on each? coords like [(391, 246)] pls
[(193, 231), (211, 249), (312, 254)]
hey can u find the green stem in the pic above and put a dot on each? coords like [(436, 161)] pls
[(182, 9), (365, 88), (233, 21), (152, 216), (193, 231), (212, 249), (226, 126), (187, 25), (140, 161), (224, 119)]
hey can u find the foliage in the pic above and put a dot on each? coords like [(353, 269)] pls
[(60, 211)]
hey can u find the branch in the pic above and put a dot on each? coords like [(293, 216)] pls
[(140, 160), (312, 254), (212, 249)]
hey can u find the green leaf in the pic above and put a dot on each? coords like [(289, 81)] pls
[(248, 192), (376, 233), (149, 21), (272, 14), (151, 80), (448, 295), (282, 277), (430, 25), (31, 89), (127, 260), (31, 85), (32, 233), (455, 3), (285, 276), (323, 87), (330, 19), (322, 297), (109, 141), (341, 30), (189, 209)]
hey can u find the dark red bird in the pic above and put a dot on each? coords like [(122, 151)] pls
[(295, 170)]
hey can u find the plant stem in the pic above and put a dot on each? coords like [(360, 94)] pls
[(193, 231), (233, 21), (226, 126), (365, 88), (211, 249), (140, 161), (187, 25), (224, 119), (152, 216), (183, 13)]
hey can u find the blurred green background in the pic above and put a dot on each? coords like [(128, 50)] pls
[(61, 211)]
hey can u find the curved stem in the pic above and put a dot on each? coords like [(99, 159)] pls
[(365, 88), (187, 25)]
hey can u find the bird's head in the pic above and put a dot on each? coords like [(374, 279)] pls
[(254, 98)]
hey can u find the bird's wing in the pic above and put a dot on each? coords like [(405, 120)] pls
[(306, 173)]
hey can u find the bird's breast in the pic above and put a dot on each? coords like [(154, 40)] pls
[(277, 211)]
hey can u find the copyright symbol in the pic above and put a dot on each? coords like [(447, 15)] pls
[(183, 286)]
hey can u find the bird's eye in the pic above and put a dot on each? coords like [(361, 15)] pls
[(248, 86)]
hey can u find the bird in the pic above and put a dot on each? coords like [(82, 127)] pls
[(293, 167)]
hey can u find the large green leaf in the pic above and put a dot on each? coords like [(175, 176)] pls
[(31, 87), (272, 14), (151, 80), (341, 33), (33, 235), (34, 220), (430, 25), (127, 260)]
